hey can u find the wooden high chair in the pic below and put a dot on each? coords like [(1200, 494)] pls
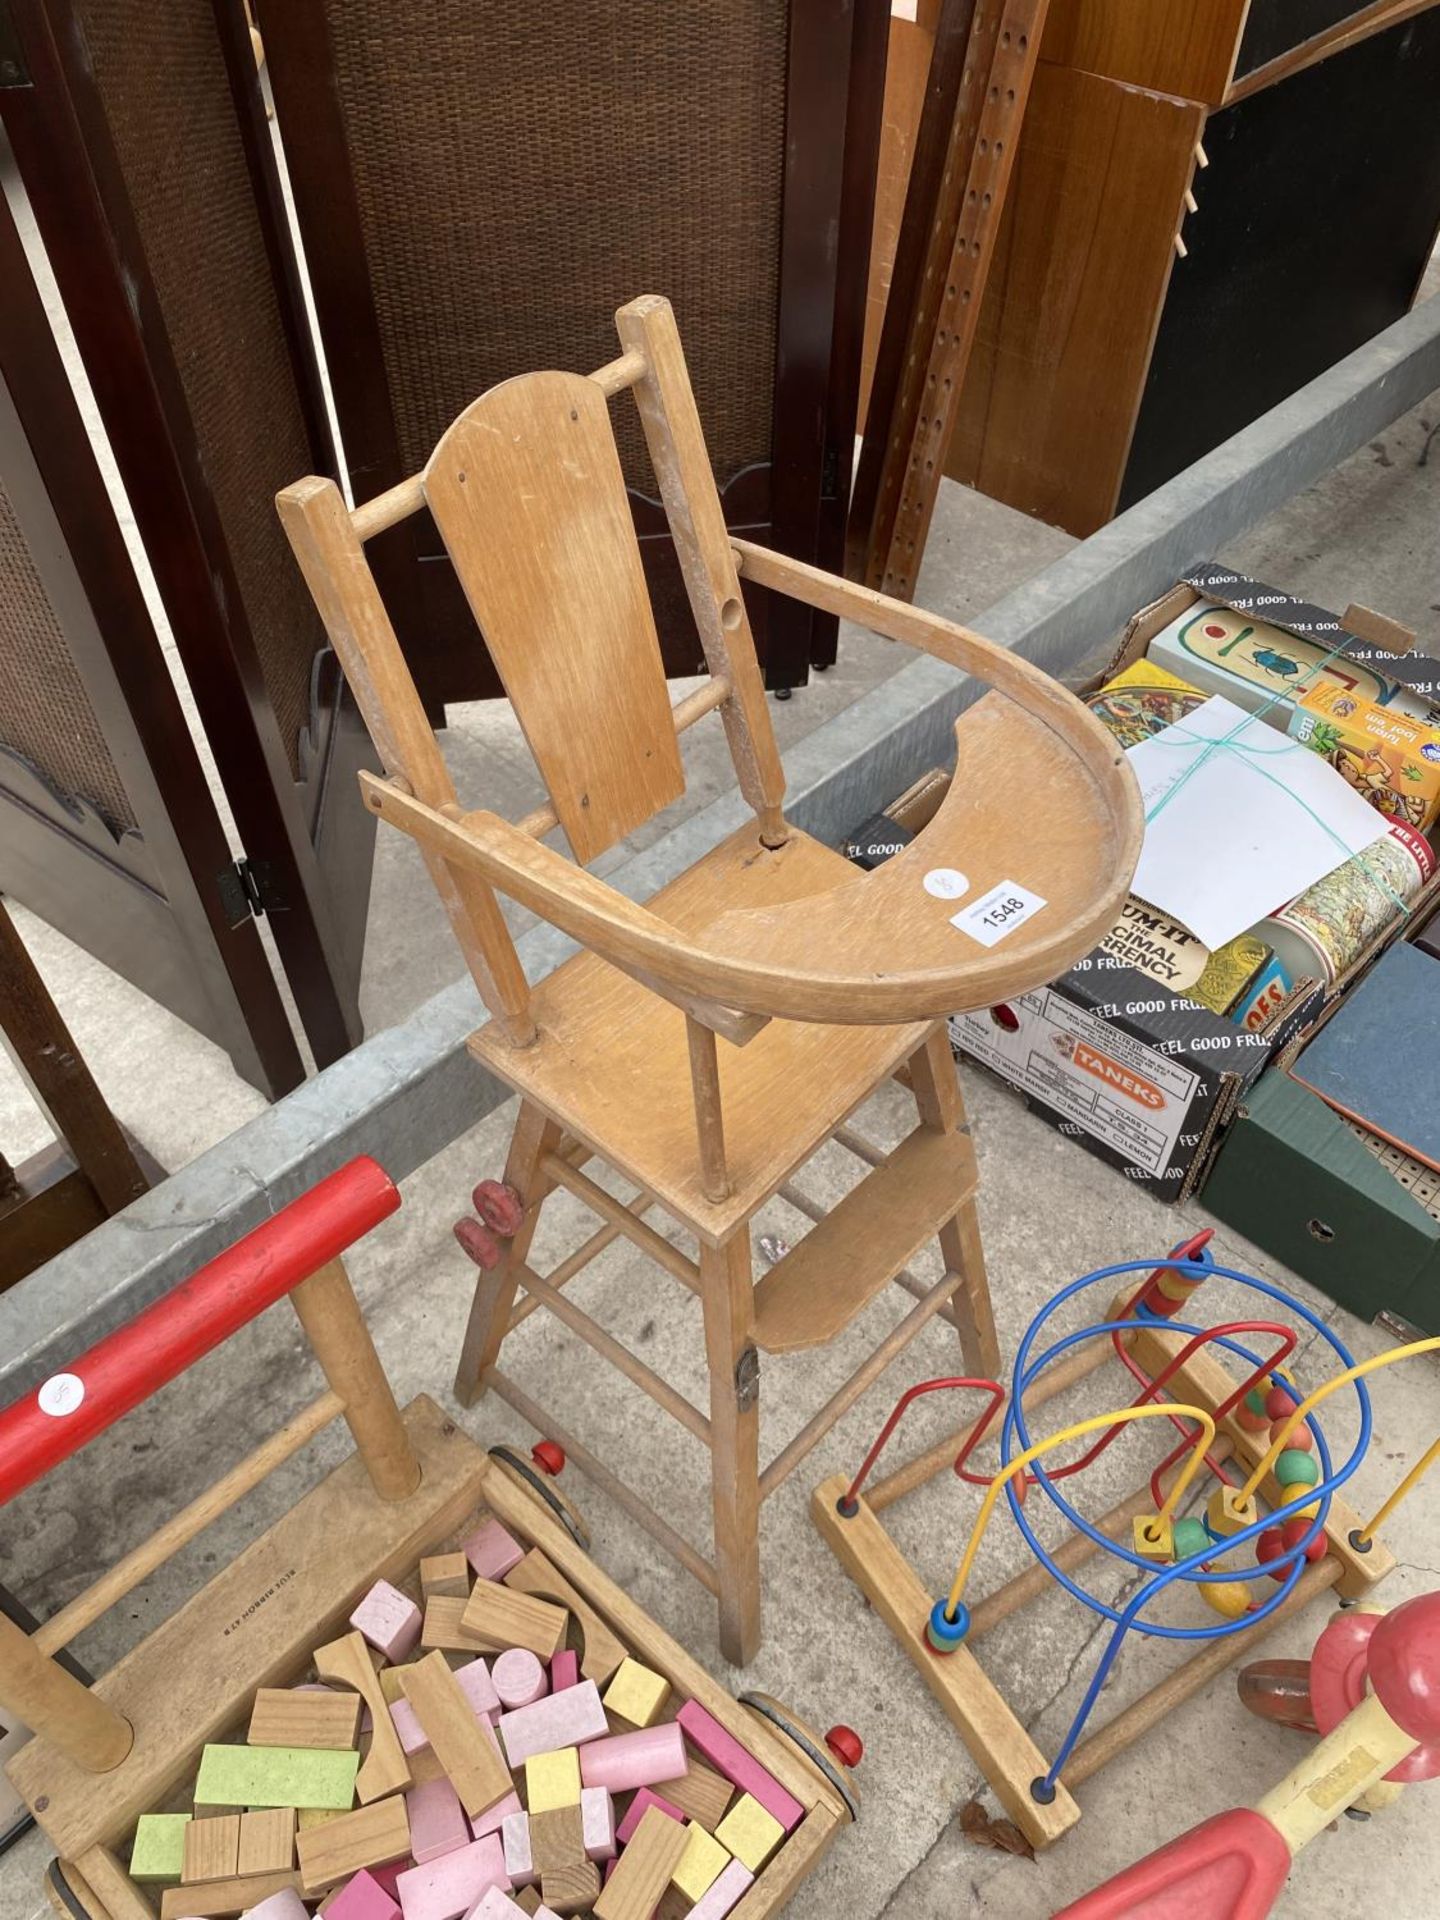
[(715, 1037)]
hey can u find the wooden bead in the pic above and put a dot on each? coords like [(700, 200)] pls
[(1255, 1400), (1252, 1422), (1154, 1538), (1294, 1531), (1227, 1512), (1280, 1403), (1296, 1469), (1190, 1537), (1301, 1441), (1232, 1599), (1269, 1547)]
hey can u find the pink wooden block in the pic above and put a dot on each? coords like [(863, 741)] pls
[(437, 1821), (493, 1819), (361, 1898), (388, 1621), (477, 1686), (387, 1877), (284, 1905), (640, 1759), (558, 1720), (542, 1912), (407, 1725), (597, 1818), (495, 1905), (723, 1893), (492, 1552), (518, 1678), (635, 1812), (725, 1753), (444, 1889), (519, 1861), (564, 1670)]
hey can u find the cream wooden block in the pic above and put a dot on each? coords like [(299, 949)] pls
[(499, 1617), (701, 1864), (750, 1833), (212, 1849), (299, 1717), (445, 1576), (465, 1746), (636, 1694), (371, 1836), (267, 1840), (552, 1780), (643, 1870)]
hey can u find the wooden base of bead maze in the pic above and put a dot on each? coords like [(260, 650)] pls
[(995, 1737)]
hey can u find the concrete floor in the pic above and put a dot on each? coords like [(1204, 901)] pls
[(1048, 1211)]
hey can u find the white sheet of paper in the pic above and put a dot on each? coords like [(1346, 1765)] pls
[(1233, 845)]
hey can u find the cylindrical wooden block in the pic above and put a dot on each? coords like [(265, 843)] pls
[(331, 1316), (51, 1701), (518, 1677), (630, 1760)]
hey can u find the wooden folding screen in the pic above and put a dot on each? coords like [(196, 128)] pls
[(478, 189)]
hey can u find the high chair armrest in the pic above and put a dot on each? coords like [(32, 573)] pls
[(623, 932), (931, 633)]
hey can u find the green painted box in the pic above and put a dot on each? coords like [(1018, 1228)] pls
[(1356, 1217)]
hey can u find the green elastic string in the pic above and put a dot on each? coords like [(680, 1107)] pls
[(1252, 755)]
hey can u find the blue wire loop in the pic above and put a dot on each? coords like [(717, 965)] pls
[(1015, 1439)]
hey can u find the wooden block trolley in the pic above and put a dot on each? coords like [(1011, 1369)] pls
[(1272, 1488), (172, 1729)]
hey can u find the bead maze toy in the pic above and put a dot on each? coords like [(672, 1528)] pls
[(352, 1712), (1272, 1509), (1234, 1866)]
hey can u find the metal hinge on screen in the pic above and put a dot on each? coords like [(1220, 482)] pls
[(829, 467), (249, 890)]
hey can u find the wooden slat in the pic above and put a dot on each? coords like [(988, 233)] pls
[(602, 1652), (527, 492), (292, 1717), (224, 1897), (850, 1256), (369, 1837), (995, 1738), (463, 1744)]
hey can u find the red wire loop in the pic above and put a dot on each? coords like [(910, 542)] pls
[(907, 1399)]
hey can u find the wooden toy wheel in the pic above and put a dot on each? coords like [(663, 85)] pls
[(66, 1898), (810, 1745), (545, 1490)]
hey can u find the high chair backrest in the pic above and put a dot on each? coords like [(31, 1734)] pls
[(527, 492)]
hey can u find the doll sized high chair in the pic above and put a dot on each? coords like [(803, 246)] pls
[(712, 1039)]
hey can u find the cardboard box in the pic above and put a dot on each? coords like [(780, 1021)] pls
[(1144, 1079)]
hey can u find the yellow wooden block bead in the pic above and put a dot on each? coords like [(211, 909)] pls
[(701, 1864), (1230, 1597), (1176, 1286), (750, 1833), (1154, 1537), (636, 1694), (1227, 1511), (552, 1780)]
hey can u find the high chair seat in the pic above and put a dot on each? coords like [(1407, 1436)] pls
[(611, 1063)]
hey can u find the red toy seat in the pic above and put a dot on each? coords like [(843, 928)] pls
[(1229, 1868)]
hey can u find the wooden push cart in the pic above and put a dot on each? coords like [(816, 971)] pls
[(417, 1485)]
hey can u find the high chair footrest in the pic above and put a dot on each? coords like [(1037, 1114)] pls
[(863, 1242)]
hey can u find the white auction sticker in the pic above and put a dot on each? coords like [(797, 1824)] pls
[(945, 883), (61, 1394), (996, 914)]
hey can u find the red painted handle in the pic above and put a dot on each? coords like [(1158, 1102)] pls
[(127, 1366)]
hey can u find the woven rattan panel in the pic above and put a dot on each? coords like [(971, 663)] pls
[(522, 172), (162, 79), (45, 713)]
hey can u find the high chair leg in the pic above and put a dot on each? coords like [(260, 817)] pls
[(533, 1138), (936, 1083), (727, 1294)]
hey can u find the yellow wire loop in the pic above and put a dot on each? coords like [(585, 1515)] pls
[(1120, 1417), (1266, 1463)]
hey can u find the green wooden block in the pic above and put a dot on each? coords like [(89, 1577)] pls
[(276, 1777), (159, 1849)]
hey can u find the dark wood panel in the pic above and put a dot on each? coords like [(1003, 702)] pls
[(1316, 217)]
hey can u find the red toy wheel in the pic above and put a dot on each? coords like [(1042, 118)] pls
[(481, 1245), (1339, 1680), (499, 1206), (846, 1745), (548, 1457)]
